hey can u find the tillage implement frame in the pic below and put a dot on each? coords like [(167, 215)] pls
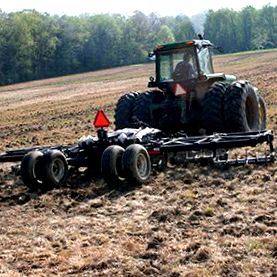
[(130, 154)]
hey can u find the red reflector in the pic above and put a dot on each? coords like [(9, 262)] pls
[(179, 90), (101, 120), (154, 152)]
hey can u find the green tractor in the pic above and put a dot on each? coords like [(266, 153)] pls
[(186, 95)]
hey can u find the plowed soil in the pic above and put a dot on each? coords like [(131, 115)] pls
[(186, 221)]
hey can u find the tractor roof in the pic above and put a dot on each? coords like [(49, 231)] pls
[(179, 45)]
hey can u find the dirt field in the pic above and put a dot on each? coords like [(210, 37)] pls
[(186, 221)]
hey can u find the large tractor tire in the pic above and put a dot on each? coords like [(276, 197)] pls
[(111, 165), (262, 109), (124, 110), (136, 164), (241, 108), (142, 108), (213, 111), (31, 167)]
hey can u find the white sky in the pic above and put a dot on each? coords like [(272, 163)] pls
[(127, 7)]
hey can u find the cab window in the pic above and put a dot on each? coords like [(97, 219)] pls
[(169, 62), (205, 61)]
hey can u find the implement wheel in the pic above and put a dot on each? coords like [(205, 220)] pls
[(111, 165), (55, 168), (241, 108), (136, 163), (123, 110), (31, 170), (213, 112)]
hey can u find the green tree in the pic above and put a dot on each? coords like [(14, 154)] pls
[(248, 18), (20, 47), (71, 36), (44, 32), (35, 45), (182, 28), (222, 28), (103, 45), (265, 35), (3, 60), (164, 35)]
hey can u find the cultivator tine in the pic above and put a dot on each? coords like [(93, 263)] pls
[(237, 160), (210, 147), (246, 156)]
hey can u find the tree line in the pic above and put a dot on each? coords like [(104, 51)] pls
[(35, 45)]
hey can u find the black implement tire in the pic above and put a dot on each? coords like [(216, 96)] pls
[(241, 108), (55, 168), (142, 108), (123, 110), (213, 111), (111, 165), (136, 163), (31, 170), (262, 113)]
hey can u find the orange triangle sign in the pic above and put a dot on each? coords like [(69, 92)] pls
[(179, 90), (101, 120)]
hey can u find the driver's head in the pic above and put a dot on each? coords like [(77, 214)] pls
[(186, 57)]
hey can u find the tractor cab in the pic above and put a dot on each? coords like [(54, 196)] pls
[(188, 64)]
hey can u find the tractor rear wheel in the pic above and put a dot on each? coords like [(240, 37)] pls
[(213, 112), (262, 109), (142, 108), (31, 170), (136, 163), (111, 165), (241, 108), (123, 110)]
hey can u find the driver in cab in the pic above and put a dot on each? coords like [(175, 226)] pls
[(184, 70)]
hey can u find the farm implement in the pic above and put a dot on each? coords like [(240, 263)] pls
[(131, 153)]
